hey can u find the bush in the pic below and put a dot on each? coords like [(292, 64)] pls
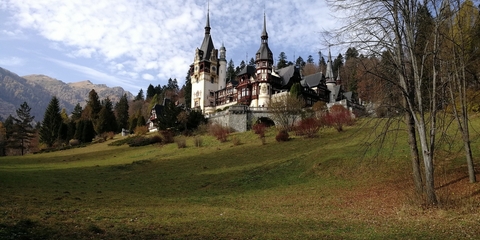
[(167, 136), (156, 139), (139, 141), (338, 116), (282, 136), (181, 142), (198, 141), (141, 130), (259, 128), (74, 142), (236, 141), (308, 127), (219, 132), (110, 135)]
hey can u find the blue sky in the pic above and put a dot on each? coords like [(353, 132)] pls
[(136, 43)]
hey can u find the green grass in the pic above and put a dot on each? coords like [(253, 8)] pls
[(322, 188)]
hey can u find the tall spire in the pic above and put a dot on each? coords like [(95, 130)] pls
[(264, 32), (329, 72), (207, 27)]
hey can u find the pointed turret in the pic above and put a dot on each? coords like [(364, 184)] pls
[(329, 72), (264, 52), (207, 44)]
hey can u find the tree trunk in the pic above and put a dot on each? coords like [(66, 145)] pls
[(412, 142)]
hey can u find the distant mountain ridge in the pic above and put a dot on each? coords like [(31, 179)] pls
[(37, 90)]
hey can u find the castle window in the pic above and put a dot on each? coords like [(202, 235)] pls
[(211, 80)]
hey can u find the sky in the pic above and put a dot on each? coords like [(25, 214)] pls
[(134, 43)]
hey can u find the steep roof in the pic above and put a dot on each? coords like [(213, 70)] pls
[(207, 44), (286, 74), (264, 51), (312, 80)]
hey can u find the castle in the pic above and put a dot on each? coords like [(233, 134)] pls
[(255, 85)]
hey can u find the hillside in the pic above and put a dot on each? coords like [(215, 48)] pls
[(320, 188), (37, 91)]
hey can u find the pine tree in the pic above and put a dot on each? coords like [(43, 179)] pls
[(77, 113), (140, 95), (150, 91), (22, 129), (282, 60), (121, 113), (106, 119), (231, 71), (188, 90), (94, 106), (88, 132), (52, 121)]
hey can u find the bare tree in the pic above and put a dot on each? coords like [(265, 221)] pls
[(285, 110), (394, 27)]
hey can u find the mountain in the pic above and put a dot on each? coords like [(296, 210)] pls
[(38, 90)]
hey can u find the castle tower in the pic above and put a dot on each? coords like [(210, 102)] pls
[(264, 67), (204, 74), (222, 69)]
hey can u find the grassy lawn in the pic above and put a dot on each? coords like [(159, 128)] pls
[(322, 188)]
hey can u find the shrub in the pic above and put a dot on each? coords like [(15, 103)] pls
[(282, 136), (198, 141), (156, 139), (167, 136), (308, 127), (73, 142), (141, 130), (219, 132), (236, 141), (259, 128), (338, 116), (181, 142), (110, 135), (139, 141)]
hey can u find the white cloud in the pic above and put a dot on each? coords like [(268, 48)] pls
[(147, 76), (158, 38), (12, 61)]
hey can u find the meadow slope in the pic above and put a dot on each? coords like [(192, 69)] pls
[(330, 187)]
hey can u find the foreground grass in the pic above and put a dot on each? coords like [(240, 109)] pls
[(302, 189)]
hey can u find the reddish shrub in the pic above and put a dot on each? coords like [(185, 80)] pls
[(219, 132), (156, 139), (259, 128), (282, 136), (338, 116), (308, 127)]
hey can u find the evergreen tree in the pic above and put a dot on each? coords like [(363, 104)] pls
[(351, 53), (150, 91), (106, 120), (88, 132), (52, 121), (141, 121), (310, 59), (337, 63), (300, 62), (94, 106), (188, 90), (140, 95), (168, 118), (77, 113), (121, 113), (282, 60), (79, 130), (296, 90), (3, 139), (71, 128), (158, 89), (231, 75), (22, 129), (252, 62)]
